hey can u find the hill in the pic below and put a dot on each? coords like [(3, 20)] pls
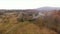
[(22, 22)]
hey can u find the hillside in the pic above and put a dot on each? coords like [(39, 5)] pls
[(22, 22)]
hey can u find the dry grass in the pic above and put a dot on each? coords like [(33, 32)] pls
[(10, 25)]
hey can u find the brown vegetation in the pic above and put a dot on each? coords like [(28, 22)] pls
[(16, 23)]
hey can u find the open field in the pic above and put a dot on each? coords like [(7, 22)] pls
[(12, 23)]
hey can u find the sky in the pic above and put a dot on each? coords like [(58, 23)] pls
[(28, 4)]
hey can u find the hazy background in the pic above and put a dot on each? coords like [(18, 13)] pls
[(28, 4)]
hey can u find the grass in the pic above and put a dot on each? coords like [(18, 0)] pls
[(10, 25)]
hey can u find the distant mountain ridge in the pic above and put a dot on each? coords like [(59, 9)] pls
[(48, 8)]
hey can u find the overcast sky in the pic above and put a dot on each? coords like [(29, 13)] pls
[(28, 4)]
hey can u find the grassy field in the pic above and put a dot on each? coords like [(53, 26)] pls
[(10, 25)]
